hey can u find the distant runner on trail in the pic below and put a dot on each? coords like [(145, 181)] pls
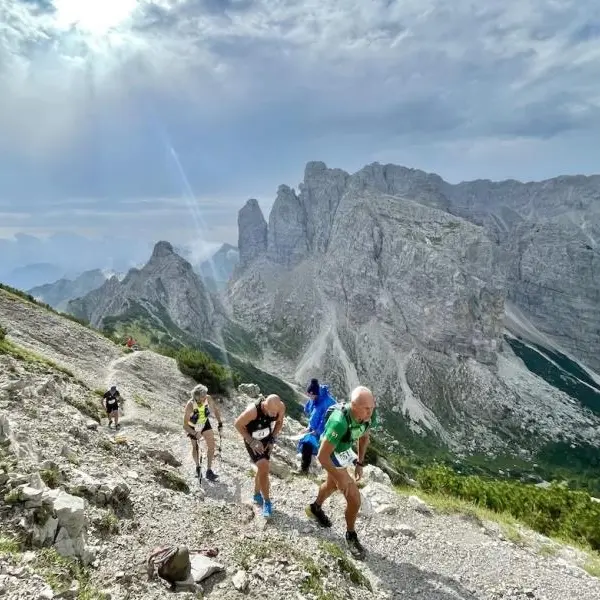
[(197, 411), (259, 425), (346, 426), (110, 401)]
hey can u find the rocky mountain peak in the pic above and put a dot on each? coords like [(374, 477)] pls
[(287, 231), (301, 223), (314, 168), (162, 249), (166, 262), (166, 284), (426, 188), (320, 196), (252, 232)]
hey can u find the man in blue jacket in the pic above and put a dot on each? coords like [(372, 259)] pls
[(319, 401)]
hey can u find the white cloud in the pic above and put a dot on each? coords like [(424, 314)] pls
[(479, 64), (218, 99), (200, 250)]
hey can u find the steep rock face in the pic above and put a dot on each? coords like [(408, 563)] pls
[(166, 287), (555, 281), (562, 214), (430, 277), (551, 230), (300, 224), (252, 227), (373, 278), (256, 289), (320, 195), (287, 232), (387, 256)]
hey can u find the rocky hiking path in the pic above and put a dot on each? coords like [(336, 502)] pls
[(115, 496)]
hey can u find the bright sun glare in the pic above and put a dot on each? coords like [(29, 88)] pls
[(95, 17)]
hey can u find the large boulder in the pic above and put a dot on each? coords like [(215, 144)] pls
[(61, 521), (100, 491), (250, 389)]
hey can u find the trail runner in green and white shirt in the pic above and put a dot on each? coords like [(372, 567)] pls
[(347, 429)]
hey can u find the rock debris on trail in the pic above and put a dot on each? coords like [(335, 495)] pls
[(111, 498)]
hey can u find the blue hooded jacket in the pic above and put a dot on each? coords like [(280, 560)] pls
[(316, 410)]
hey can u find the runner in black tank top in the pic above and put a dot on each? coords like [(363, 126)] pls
[(261, 429), (259, 426)]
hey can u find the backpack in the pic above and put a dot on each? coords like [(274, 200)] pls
[(347, 437), (171, 563)]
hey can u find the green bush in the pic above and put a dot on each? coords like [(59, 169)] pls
[(167, 350), (203, 369), (554, 511), (2, 333)]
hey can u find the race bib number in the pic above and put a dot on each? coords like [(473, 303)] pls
[(346, 458), (261, 434), (112, 401)]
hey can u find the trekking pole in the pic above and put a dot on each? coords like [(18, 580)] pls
[(199, 459), (218, 453)]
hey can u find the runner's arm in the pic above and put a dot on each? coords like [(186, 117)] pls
[(243, 420), (186, 419), (326, 449), (363, 443), (279, 423)]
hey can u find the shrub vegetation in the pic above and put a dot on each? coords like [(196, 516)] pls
[(203, 369), (554, 511)]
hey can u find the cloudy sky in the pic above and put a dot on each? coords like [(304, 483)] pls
[(158, 119)]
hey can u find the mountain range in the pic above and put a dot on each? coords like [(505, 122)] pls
[(58, 293), (471, 310)]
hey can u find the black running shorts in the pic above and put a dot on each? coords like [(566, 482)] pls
[(207, 427), (254, 457)]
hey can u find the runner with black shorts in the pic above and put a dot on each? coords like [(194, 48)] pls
[(259, 426), (197, 411), (110, 400)]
